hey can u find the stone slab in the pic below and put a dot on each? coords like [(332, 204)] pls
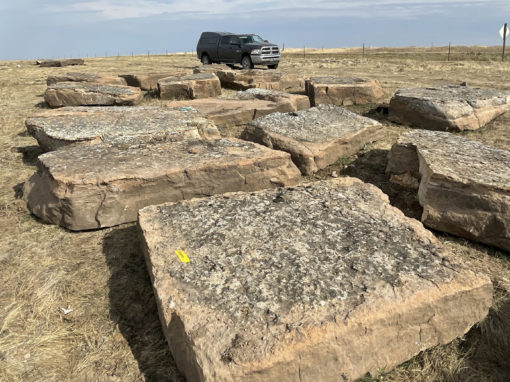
[(463, 185), (202, 85), (260, 78), (343, 91), (448, 108), (91, 94), (212, 68), (90, 187), (297, 101), (316, 137), (231, 112), (322, 282), (85, 77), (117, 124), (148, 81), (60, 63)]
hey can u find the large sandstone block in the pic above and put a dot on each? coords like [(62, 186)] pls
[(225, 112), (147, 81), (60, 63), (448, 107), (85, 77), (260, 78), (212, 68), (316, 137), (89, 187), (117, 124), (343, 91), (201, 85), (297, 101), (463, 185), (322, 282), (91, 94)]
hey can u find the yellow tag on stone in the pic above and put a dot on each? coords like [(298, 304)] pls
[(182, 256)]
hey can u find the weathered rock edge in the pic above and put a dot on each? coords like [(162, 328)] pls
[(60, 63), (218, 331), (90, 187), (83, 125), (91, 94), (85, 77), (316, 137), (447, 108), (463, 185), (343, 91)]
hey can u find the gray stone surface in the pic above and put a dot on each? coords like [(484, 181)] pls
[(213, 68), (343, 91), (201, 85), (449, 107), (89, 187), (322, 282), (85, 77), (91, 94), (316, 137), (60, 63), (463, 185), (120, 124), (296, 101), (260, 78), (148, 81)]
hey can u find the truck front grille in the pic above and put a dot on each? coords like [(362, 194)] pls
[(270, 50)]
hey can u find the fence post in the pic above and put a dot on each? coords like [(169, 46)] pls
[(304, 51), (449, 50), (505, 28), (363, 54)]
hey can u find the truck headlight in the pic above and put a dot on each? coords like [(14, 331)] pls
[(255, 51)]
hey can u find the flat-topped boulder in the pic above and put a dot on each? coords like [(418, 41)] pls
[(322, 282), (224, 112), (91, 94), (148, 81), (448, 108), (260, 78), (316, 137), (85, 77), (60, 63), (343, 91), (201, 85), (212, 68), (117, 124), (90, 187), (297, 101), (463, 185)]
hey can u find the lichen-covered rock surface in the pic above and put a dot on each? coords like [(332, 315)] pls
[(85, 77), (225, 112), (89, 187), (316, 137), (464, 185), (322, 282), (133, 125), (201, 85), (449, 107), (260, 78), (91, 94), (148, 81), (296, 101), (343, 91)]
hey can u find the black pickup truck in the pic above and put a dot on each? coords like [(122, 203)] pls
[(229, 48)]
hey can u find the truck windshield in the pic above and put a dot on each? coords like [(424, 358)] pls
[(247, 39)]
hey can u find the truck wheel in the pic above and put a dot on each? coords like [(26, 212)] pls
[(246, 62), (273, 66), (205, 60)]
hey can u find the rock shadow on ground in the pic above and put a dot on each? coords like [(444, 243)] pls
[(133, 306)]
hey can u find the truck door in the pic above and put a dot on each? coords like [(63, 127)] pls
[(229, 49)]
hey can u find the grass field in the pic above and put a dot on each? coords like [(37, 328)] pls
[(113, 332)]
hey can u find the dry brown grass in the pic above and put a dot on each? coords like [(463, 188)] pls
[(113, 332)]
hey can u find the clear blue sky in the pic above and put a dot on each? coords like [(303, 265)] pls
[(76, 28)]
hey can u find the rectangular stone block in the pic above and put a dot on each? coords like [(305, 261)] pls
[(321, 282), (260, 78), (448, 108), (89, 187), (148, 81), (316, 137), (85, 77), (201, 85), (463, 185), (126, 125), (60, 63), (343, 91), (296, 101)]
